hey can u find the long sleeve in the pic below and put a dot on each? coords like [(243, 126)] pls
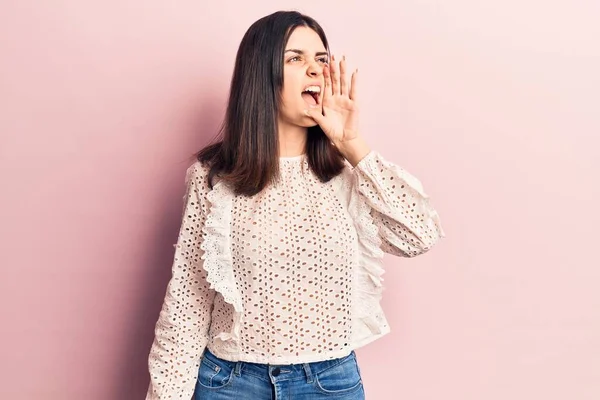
[(182, 327), (407, 223)]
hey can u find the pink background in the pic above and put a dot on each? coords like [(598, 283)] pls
[(493, 105)]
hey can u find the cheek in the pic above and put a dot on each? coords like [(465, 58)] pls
[(290, 103), (290, 89), (288, 95)]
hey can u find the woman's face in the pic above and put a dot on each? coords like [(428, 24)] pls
[(303, 62)]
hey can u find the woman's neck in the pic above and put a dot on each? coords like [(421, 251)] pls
[(292, 140)]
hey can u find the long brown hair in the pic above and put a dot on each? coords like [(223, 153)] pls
[(246, 154)]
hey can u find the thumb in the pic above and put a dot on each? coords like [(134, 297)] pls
[(316, 115)]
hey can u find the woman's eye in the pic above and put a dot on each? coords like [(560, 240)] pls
[(321, 60)]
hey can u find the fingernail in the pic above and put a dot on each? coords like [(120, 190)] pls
[(344, 57), (306, 113), (332, 57)]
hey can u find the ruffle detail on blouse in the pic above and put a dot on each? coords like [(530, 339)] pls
[(368, 276), (218, 262)]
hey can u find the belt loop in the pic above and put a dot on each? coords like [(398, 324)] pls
[(308, 372), (238, 368)]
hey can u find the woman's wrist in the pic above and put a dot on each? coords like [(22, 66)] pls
[(354, 150)]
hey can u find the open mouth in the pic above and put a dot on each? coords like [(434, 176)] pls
[(312, 95)]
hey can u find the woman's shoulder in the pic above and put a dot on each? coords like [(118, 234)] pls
[(197, 175), (347, 172), (342, 183), (198, 168)]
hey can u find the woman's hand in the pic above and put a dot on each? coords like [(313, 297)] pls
[(339, 120)]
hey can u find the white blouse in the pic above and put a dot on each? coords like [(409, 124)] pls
[(290, 275)]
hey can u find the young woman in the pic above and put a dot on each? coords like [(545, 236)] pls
[(276, 277)]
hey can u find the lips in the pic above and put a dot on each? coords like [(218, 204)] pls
[(312, 94)]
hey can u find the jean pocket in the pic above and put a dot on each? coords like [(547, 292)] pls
[(214, 373), (342, 378)]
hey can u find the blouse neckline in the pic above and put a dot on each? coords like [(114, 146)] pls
[(292, 158)]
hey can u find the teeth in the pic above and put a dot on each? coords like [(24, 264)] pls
[(314, 89)]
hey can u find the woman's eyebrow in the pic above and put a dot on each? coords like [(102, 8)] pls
[(298, 51)]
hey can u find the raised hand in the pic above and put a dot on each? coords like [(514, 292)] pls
[(339, 119)]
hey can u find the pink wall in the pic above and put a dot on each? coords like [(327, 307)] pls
[(494, 105)]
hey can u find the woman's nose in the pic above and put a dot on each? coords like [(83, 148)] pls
[(315, 69)]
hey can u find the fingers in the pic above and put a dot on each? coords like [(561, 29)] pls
[(343, 83), (336, 81), (335, 76), (327, 91), (316, 115), (353, 85)]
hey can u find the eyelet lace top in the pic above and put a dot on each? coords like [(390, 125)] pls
[(290, 275)]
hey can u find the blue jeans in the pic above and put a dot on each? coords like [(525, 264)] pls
[(220, 379)]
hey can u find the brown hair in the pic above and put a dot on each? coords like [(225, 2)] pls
[(246, 154)]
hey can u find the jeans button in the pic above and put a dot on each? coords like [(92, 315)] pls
[(276, 371)]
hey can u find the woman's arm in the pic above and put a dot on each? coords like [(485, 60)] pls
[(408, 225), (182, 326)]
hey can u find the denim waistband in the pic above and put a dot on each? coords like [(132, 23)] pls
[(280, 371)]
